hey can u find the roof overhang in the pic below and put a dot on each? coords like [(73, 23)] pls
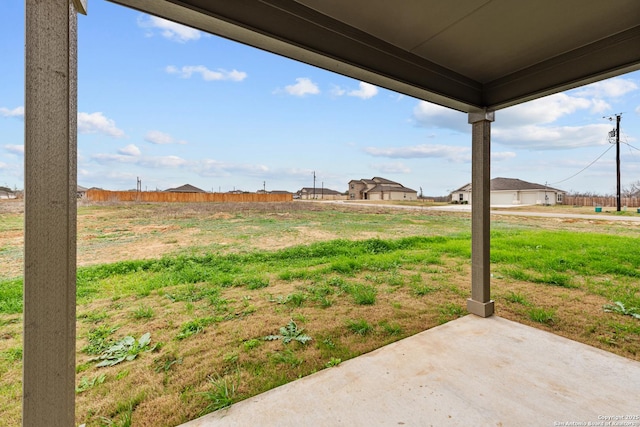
[(480, 54)]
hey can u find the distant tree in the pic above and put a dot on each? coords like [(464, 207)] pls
[(633, 190)]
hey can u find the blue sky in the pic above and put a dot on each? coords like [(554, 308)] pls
[(173, 105)]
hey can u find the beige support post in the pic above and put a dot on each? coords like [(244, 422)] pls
[(50, 214), (480, 302)]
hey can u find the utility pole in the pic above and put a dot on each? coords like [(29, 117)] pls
[(264, 187), (322, 191), (314, 184), (618, 161), (616, 133)]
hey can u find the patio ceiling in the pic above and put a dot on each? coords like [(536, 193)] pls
[(466, 55)]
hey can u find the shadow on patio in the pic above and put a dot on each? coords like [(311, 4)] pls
[(471, 371)]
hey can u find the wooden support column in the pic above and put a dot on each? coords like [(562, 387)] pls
[(50, 213), (480, 302)]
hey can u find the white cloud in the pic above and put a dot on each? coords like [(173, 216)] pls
[(15, 149), (394, 167), (502, 155), (541, 111), (207, 75), (98, 123), (365, 91), (161, 138), (451, 153), (130, 150), (16, 112), (431, 115), (164, 161), (612, 88), (150, 162), (552, 138), (169, 30), (337, 91), (303, 86), (210, 167)]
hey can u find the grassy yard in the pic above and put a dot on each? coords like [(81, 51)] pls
[(199, 306)]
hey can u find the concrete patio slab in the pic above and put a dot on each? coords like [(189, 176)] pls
[(468, 372)]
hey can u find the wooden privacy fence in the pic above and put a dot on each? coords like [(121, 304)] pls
[(162, 196), (600, 201)]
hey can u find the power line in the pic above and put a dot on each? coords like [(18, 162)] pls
[(585, 168), (630, 146)]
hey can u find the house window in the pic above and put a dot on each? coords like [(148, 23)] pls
[(352, 196), (353, 186), (559, 198), (460, 197)]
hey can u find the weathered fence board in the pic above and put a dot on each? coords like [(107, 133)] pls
[(600, 201), (95, 195)]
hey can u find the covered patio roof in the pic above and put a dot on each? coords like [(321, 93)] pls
[(470, 54), (476, 56)]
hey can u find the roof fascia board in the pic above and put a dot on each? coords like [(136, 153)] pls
[(609, 57), (327, 44)]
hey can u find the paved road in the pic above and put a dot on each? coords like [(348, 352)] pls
[(467, 208)]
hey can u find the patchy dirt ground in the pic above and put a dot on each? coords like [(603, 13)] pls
[(115, 232)]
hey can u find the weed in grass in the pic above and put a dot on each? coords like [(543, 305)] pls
[(99, 339), (337, 282), (123, 413), (221, 393), (251, 344), (619, 307), (83, 367), (421, 289), (289, 333), (86, 383), (373, 278), (253, 283), (542, 315), (325, 302), (328, 343), (516, 298), (93, 316), (195, 326), (12, 355), (189, 307), (286, 357), (334, 361), (391, 328), (295, 299), (395, 279), (122, 374), (127, 349), (449, 311), (363, 294), (193, 292), (359, 327), (142, 312), (165, 362), (230, 358)]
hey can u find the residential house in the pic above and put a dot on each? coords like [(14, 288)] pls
[(7, 193), (510, 191), (379, 188), (187, 188), (319, 193), (81, 192)]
